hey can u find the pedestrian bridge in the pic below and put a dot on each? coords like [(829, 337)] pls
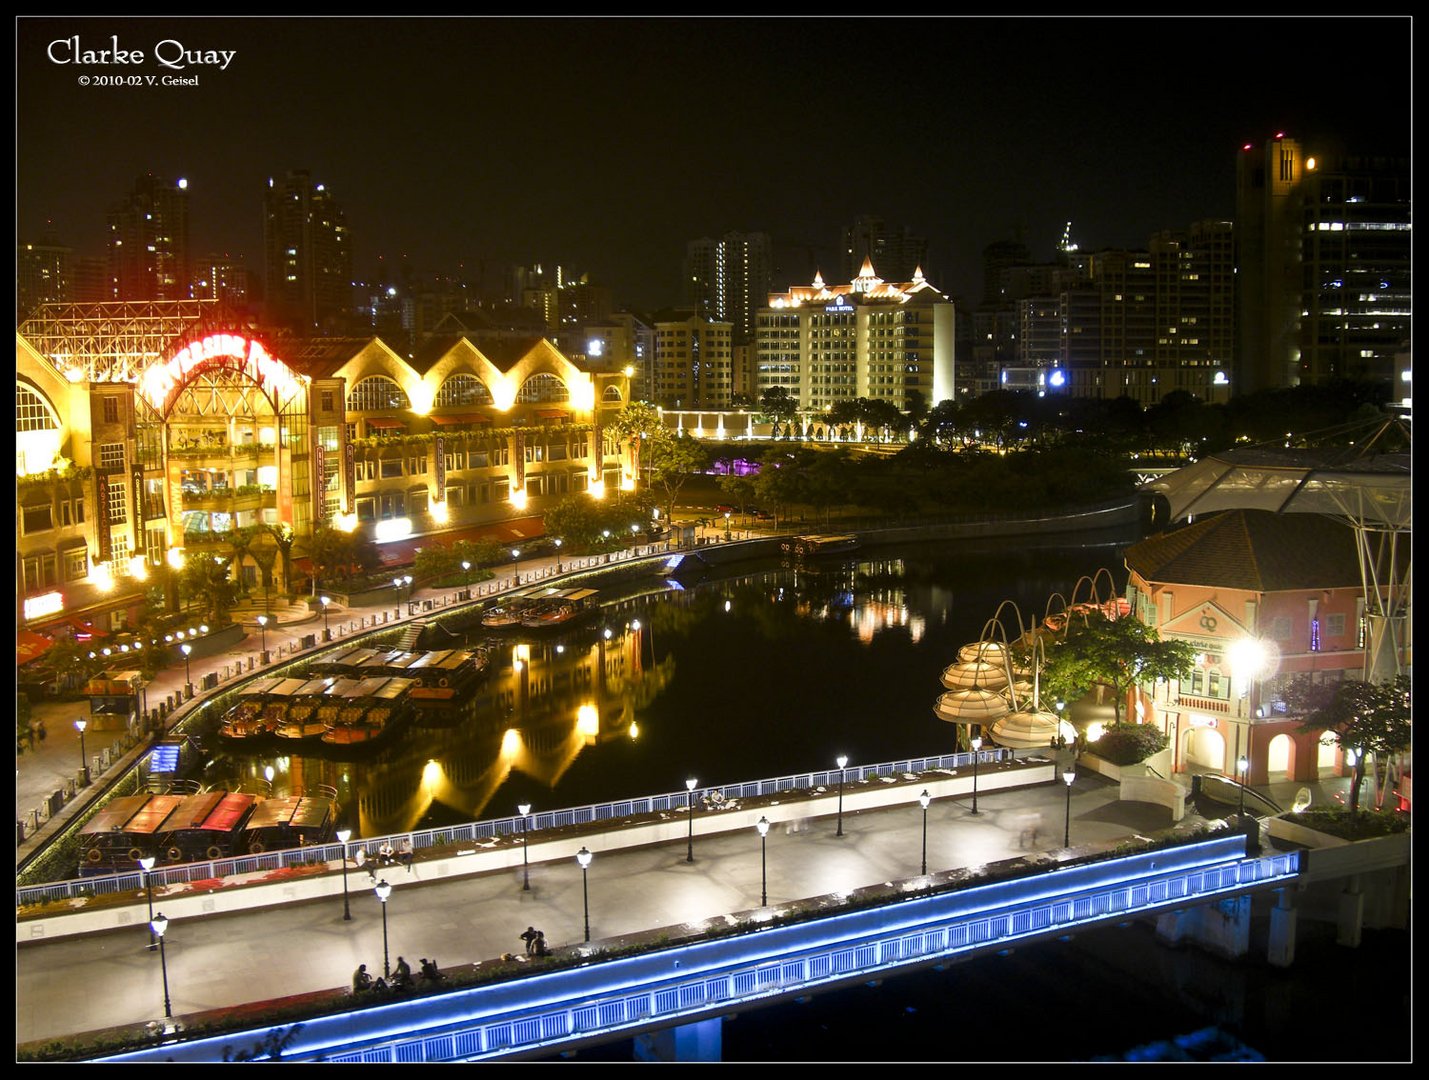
[(672, 999)]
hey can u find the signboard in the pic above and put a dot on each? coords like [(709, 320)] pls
[(164, 759), (441, 446), (161, 384), (101, 515)]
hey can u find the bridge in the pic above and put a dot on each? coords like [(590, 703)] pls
[(673, 998)]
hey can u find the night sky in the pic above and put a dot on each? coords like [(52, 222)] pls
[(606, 144)]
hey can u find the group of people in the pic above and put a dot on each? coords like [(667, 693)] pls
[(401, 976), (535, 942), (384, 857)]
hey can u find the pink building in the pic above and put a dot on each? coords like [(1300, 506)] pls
[(1265, 598)]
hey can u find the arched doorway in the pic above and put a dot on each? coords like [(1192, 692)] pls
[(1205, 749)]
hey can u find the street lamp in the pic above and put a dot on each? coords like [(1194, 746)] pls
[(263, 636), (557, 542), (158, 925), (343, 836), (524, 809), (327, 634), (1067, 778), (515, 574), (79, 726), (924, 799), (383, 891), (146, 863), (466, 570), (583, 856), (1242, 767), (186, 648), (842, 762), (763, 826), (690, 802), (605, 536), (976, 745)]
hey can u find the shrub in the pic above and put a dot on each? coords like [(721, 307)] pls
[(1128, 744)]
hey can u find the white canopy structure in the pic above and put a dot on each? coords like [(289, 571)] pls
[(1364, 481)]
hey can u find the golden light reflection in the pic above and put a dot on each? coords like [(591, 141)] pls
[(511, 743), (588, 721)]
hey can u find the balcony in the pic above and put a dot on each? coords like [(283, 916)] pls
[(1201, 704)]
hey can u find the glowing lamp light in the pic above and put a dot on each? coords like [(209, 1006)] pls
[(175, 558), (139, 568), (392, 529), (596, 489), (74, 374), (345, 522), (595, 347), (439, 512), (102, 577), (421, 397), (587, 721), (518, 499)]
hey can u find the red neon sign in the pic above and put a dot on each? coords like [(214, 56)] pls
[(160, 385)]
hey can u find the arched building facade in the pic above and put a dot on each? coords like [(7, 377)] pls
[(149, 432)]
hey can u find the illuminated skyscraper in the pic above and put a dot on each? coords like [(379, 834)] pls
[(149, 242), (43, 275), (1322, 264), (307, 254), (728, 279), (895, 254)]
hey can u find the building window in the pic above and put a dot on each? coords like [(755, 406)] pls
[(542, 387), (1335, 625), (111, 410), (1281, 629), (31, 412), (111, 455), (76, 563), (417, 502), (501, 490), (325, 401), (365, 470), (417, 466), (39, 572), (463, 390), (118, 504), (392, 467), (119, 549), (376, 393), (36, 519), (456, 496), (367, 509)]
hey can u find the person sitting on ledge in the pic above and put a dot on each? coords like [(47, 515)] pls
[(361, 980)]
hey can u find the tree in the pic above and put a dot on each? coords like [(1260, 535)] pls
[(637, 423), (1364, 718), (1118, 653), (776, 404), (673, 461), (337, 555)]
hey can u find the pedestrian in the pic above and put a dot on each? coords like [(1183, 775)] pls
[(404, 854), (529, 937), (40, 728), (361, 980), (402, 974), (429, 970), (385, 854), (541, 949)]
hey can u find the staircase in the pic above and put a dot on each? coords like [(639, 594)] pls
[(411, 636)]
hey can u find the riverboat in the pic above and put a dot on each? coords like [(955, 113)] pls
[(372, 710), (441, 677), (507, 614), (171, 827), (291, 821), (821, 544), (557, 608)]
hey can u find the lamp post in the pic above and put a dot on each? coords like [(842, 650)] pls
[(383, 891), (763, 826), (1242, 767), (263, 636), (146, 863), (583, 856), (1067, 778), (327, 634), (976, 745), (466, 570), (557, 542), (842, 762), (80, 725), (690, 803), (186, 648), (605, 536), (524, 809), (158, 925), (343, 836), (924, 799), (515, 574)]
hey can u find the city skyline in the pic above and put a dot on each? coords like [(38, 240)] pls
[(607, 144)]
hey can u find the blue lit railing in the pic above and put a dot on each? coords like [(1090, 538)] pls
[(180, 873), (684, 984)]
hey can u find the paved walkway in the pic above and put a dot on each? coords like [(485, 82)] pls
[(218, 961)]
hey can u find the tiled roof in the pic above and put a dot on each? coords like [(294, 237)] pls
[(1253, 550)]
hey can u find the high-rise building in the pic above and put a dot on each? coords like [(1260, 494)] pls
[(728, 279), (693, 361), (149, 242), (868, 339), (895, 254), (1322, 264), (307, 254), (43, 275), (223, 277)]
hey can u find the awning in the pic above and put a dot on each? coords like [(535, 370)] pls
[(402, 552), (384, 422), (552, 414), (30, 646), (83, 629), (464, 418)]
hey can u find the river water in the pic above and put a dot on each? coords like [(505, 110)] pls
[(781, 668)]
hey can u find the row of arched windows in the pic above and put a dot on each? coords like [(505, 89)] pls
[(378, 392)]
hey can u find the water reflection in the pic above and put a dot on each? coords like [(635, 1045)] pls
[(758, 674)]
